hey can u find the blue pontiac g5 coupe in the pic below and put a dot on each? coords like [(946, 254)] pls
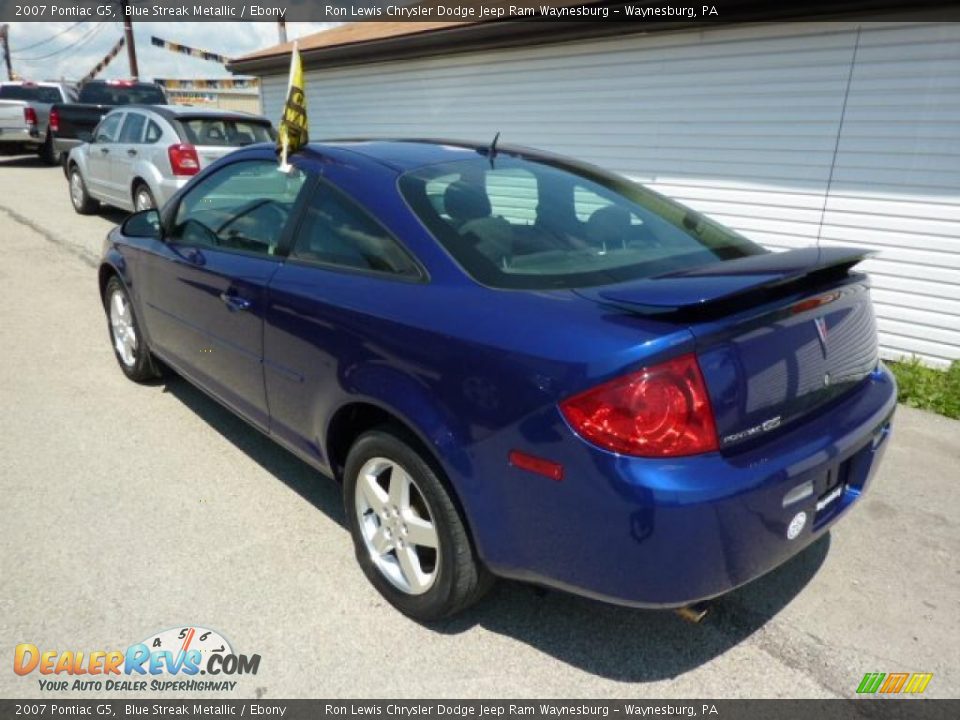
[(516, 365)]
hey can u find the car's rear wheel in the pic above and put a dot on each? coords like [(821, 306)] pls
[(409, 537), (143, 198), (131, 350), (47, 153), (82, 202)]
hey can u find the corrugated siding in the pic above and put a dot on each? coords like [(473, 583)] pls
[(792, 134)]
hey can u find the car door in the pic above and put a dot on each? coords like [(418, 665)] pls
[(99, 156), (202, 292), (329, 308), (125, 154)]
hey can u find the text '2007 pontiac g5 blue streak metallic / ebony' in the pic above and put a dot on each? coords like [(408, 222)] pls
[(517, 365)]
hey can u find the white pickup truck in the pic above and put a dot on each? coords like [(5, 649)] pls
[(25, 113)]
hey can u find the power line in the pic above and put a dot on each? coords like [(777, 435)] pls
[(52, 37), (80, 42)]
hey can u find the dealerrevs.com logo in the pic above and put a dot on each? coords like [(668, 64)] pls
[(171, 660)]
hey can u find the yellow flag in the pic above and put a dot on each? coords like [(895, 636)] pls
[(292, 134)]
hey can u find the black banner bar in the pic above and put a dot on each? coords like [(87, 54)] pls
[(643, 11), (881, 709)]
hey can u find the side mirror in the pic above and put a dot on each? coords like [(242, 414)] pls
[(144, 224), (85, 136)]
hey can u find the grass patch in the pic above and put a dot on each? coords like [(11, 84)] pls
[(929, 389)]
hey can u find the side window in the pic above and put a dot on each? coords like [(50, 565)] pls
[(513, 195), (153, 133), (132, 128), (242, 207), (107, 129), (335, 231)]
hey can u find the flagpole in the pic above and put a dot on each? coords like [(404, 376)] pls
[(284, 167)]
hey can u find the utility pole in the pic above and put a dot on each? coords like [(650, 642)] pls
[(128, 36), (5, 40), (282, 29)]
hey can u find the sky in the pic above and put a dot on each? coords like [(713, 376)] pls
[(78, 49)]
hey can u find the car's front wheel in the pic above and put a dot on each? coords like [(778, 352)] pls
[(82, 202), (125, 336), (409, 537)]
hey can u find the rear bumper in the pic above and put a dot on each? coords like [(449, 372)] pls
[(671, 532), (19, 136), (166, 187), (63, 146)]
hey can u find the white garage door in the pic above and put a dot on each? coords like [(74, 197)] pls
[(793, 134)]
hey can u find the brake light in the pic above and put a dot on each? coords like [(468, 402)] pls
[(30, 116), (183, 159), (814, 302), (660, 411), (54, 120)]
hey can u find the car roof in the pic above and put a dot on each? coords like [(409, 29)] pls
[(411, 153), (175, 112), (36, 83)]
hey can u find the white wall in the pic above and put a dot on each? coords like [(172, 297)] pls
[(753, 126)]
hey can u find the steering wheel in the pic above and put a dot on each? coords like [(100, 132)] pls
[(252, 207)]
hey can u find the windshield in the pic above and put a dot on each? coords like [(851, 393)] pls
[(536, 224), (225, 132), (30, 92), (103, 94)]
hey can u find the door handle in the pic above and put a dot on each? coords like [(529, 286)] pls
[(234, 302), (104, 151), (131, 152)]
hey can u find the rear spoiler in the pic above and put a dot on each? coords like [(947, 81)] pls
[(722, 287)]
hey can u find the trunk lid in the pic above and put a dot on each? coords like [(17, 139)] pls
[(777, 335), (208, 154)]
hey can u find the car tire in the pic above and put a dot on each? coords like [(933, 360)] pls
[(126, 338), (47, 153), (79, 197), (427, 584), (142, 198)]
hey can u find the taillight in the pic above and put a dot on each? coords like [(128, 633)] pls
[(183, 159), (660, 411), (54, 120), (30, 116)]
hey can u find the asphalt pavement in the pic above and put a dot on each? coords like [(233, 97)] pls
[(126, 510)]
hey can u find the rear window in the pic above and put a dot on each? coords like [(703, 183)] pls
[(537, 224), (30, 93), (102, 94), (225, 132)]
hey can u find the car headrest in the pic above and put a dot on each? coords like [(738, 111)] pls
[(241, 138), (464, 202), (608, 225)]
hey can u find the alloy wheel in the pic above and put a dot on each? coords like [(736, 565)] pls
[(76, 189), (143, 200), (122, 328), (397, 526)]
